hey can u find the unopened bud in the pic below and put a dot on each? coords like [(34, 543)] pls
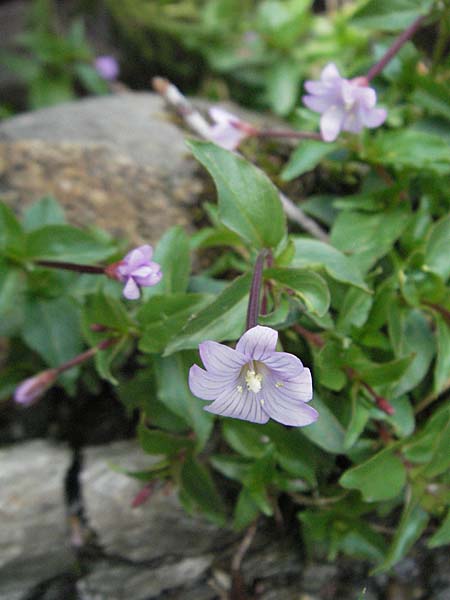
[(30, 390)]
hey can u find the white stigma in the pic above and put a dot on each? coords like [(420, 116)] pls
[(253, 381)]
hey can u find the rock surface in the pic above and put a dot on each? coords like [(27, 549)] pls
[(113, 161), (33, 531)]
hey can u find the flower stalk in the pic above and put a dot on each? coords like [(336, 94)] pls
[(377, 68), (68, 266), (255, 290)]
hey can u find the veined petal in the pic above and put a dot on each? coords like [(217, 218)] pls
[(208, 386), (221, 359), (331, 122), (284, 365), (298, 388), (283, 409), (239, 404), (258, 342), (131, 290)]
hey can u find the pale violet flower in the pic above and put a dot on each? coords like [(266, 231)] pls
[(345, 105), (107, 67), (136, 270), (228, 130), (254, 382), (31, 389)]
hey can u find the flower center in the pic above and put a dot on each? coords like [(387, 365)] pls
[(253, 381)]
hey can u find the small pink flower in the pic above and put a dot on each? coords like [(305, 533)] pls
[(31, 389), (254, 382), (136, 270), (228, 131), (107, 67), (345, 105)]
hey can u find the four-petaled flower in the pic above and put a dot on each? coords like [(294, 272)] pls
[(107, 67), (345, 105), (136, 270), (254, 382), (228, 130)]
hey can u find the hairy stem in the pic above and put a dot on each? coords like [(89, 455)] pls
[(255, 290)]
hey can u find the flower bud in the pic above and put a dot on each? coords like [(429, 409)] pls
[(30, 390)]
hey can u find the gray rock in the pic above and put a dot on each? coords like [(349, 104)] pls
[(33, 533), (158, 528), (116, 162)]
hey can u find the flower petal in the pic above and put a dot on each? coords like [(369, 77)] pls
[(317, 103), (222, 116), (243, 405), (258, 342), (131, 290), (284, 365), (221, 359), (208, 386), (285, 410), (226, 136), (330, 72), (295, 389), (352, 122), (374, 117), (331, 122)]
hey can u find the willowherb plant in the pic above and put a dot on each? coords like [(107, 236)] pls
[(368, 312)]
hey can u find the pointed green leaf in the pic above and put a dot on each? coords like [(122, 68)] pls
[(249, 203)]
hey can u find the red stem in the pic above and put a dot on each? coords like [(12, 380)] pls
[(68, 266), (392, 51)]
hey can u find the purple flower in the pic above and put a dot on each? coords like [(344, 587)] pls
[(345, 105), (254, 382), (136, 270), (228, 130), (31, 389), (107, 67)]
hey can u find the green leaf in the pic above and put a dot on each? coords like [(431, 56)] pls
[(173, 391), (45, 211), (326, 432), (223, 319), (246, 510), (382, 373), (380, 478), (437, 248), (66, 243), (433, 96), (197, 484), (11, 233), (233, 467), (354, 310), (318, 255), (249, 204), (442, 366), (173, 254), (258, 478), (415, 336), (412, 523), (283, 80), (100, 309), (52, 329), (310, 287), (366, 237), (430, 446), (442, 536), (154, 441), (245, 438), (389, 15), (412, 149), (306, 157), (293, 452), (163, 317), (12, 298)]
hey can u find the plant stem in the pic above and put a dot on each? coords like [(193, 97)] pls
[(255, 290), (68, 266), (73, 362), (392, 51), (287, 133)]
